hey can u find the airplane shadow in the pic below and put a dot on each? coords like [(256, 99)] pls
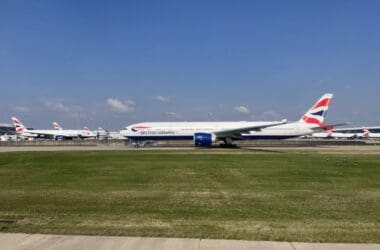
[(249, 149), (261, 150)]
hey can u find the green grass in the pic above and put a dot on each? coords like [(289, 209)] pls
[(199, 193)]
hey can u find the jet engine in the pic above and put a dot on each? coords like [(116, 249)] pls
[(204, 139)]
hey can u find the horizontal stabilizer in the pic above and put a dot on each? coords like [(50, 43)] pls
[(329, 126)]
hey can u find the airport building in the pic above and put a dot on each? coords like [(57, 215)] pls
[(7, 129)]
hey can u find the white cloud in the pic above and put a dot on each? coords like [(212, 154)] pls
[(271, 114), (161, 98), (56, 106), (121, 106), (21, 109), (242, 109), (172, 115)]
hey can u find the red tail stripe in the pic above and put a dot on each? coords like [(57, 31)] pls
[(322, 103), (312, 121)]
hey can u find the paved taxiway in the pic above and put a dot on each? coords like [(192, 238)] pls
[(18, 241), (5, 149), (343, 149)]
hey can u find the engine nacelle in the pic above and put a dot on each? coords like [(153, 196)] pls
[(204, 139), (59, 137)]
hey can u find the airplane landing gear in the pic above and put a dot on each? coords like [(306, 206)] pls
[(228, 143)]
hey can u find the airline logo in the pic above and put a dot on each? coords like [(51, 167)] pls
[(20, 128), (138, 128), (57, 126), (317, 113)]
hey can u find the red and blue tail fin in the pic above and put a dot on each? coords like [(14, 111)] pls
[(20, 128), (57, 126), (366, 132), (316, 114)]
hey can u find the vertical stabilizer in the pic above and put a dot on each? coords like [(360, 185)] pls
[(315, 116), (20, 128), (366, 132), (57, 126)]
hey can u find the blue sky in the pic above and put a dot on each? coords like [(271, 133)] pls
[(112, 63)]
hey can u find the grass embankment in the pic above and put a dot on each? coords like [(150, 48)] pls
[(201, 193)]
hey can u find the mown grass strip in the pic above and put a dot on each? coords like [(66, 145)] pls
[(208, 194)]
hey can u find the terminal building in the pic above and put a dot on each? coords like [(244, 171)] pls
[(7, 129)]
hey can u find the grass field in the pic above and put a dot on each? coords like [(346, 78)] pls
[(199, 193)]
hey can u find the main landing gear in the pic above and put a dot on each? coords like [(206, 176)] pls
[(228, 143)]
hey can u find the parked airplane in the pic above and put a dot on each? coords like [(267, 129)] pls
[(84, 133), (368, 134), (205, 133), (87, 133), (102, 133), (329, 134), (22, 131), (357, 130), (4, 137)]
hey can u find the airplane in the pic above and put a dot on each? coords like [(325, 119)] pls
[(205, 133), (368, 134), (102, 132), (87, 133), (329, 134), (57, 134), (4, 137), (84, 133)]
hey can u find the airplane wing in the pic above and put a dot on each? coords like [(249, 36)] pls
[(236, 132), (52, 133), (40, 133)]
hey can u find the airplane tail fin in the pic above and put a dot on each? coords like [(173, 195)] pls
[(329, 132), (57, 126), (20, 128), (315, 116), (366, 132)]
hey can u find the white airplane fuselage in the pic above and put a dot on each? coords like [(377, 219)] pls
[(368, 135), (334, 135), (49, 132), (186, 130)]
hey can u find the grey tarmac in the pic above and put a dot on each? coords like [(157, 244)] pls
[(6, 149), (20, 241), (336, 149)]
